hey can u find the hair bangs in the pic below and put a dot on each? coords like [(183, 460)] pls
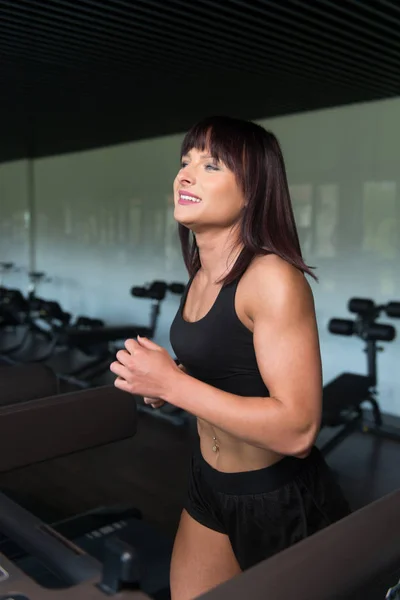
[(218, 137)]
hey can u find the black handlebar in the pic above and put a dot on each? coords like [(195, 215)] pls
[(157, 290), (365, 325), (32, 535), (372, 331)]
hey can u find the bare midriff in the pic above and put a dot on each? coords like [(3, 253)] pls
[(229, 454)]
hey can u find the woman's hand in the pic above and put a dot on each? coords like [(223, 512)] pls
[(156, 402), (145, 369)]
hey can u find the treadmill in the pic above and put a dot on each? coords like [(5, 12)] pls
[(357, 558)]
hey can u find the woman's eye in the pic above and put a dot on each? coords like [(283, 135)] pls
[(183, 164), (213, 167)]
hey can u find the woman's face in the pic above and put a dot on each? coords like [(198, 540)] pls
[(206, 193)]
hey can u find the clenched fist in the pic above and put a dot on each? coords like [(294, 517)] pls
[(145, 369)]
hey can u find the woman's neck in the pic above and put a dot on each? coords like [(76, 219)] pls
[(218, 254)]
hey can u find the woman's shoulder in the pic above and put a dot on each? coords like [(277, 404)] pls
[(272, 268), (274, 282)]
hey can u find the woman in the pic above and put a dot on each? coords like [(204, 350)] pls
[(246, 337)]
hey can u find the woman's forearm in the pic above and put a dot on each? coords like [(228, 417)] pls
[(262, 421)]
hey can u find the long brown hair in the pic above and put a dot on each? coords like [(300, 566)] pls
[(267, 224)]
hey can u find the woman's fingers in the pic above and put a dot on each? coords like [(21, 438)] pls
[(158, 404), (154, 402)]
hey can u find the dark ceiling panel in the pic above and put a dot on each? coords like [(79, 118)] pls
[(76, 75)]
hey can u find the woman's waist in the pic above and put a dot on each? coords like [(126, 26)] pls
[(229, 454), (232, 474)]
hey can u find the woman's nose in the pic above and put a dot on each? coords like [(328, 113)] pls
[(186, 176)]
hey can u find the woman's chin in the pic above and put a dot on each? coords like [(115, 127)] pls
[(183, 219)]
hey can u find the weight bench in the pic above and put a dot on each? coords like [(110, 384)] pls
[(345, 397), (343, 404)]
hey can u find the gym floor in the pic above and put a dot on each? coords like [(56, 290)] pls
[(149, 472)]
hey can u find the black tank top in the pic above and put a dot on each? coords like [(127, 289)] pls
[(218, 349)]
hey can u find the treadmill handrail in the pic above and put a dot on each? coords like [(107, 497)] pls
[(356, 555), (80, 337), (59, 425), (38, 539)]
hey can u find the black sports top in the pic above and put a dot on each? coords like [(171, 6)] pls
[(218, 349)]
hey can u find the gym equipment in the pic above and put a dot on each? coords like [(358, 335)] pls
[(65, 569), (12, 337), (156, 291), (13, 311), (52, 427), (345, 396), (38, 319), (79, 353), (83, 348), (46, 321), (49, 334), (357, 558), (22, 383), (101, 375), (58, 425), (13, 308)]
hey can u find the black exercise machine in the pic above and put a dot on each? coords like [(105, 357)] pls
[(57, 425), (345, 397), (101, 375), (31, 323), (43, 322), (13, 311), (36, 562), (87, 353), (78, 351), (357, 558), (22, 383), (156, 292), (75, 551)]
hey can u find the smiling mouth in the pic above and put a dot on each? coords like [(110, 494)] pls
[(187, 200)]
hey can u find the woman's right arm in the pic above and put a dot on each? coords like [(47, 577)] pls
[(157, 402)]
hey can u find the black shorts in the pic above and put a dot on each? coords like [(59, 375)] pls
[(267, 510)]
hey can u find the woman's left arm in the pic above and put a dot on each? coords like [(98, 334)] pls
[(286, 343)]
